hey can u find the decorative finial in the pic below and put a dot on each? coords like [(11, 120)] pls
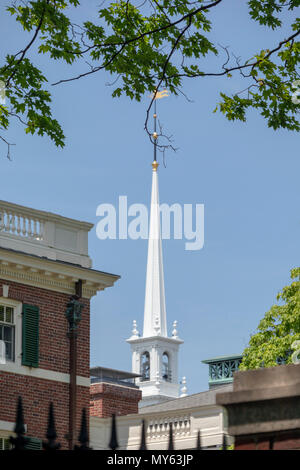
[(83, 437), (113, 444), (183, 388), (175, 332), (51, 435), (135, 332), (20, 440), (143, 445), (155, 165)]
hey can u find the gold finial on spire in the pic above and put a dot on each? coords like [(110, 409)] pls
[(155, 165)]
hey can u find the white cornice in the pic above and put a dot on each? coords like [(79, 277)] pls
[(154, 339), (52, 275)]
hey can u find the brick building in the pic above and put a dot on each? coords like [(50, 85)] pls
[(43, 259), (113, 392), (187, 415)]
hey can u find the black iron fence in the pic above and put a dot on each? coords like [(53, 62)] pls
[(20, 440)]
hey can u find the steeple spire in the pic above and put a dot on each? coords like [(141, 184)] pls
[(155, 319), (154, 354)]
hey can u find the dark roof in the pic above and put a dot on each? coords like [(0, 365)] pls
[(191, 401)]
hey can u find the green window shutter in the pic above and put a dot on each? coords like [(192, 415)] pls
[(33, 443), (7, 444), (30, 336)]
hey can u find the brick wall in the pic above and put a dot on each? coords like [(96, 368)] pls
[(281, 441), (54, 356), (53, 327), (36, 395), (106, 399)]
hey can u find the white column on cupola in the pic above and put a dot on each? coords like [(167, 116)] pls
[(155, 318)]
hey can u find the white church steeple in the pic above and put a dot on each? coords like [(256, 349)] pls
[(155, 355), (155, 318)]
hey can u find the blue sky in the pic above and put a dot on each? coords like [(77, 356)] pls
[(246, 175)]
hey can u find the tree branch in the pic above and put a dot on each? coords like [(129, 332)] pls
[(163, 75), (23, 52), (8, 147), (238, 67), (153, 31)]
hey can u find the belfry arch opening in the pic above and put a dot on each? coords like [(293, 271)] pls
[(145, 366), (166, 371)]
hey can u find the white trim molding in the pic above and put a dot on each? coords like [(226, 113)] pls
[(17, 306), (52, 275), (8, 426), (12, 368)]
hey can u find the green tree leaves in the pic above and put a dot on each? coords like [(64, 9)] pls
[(147, 45), (280, 327), (266, 11)]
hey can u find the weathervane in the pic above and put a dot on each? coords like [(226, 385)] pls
[(156, 96)]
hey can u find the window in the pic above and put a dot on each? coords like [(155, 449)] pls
[(5, 443), (166, 372), (7, 331), (19, 334), (145, 366)]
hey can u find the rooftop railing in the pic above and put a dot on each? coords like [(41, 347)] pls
[(44, 234)]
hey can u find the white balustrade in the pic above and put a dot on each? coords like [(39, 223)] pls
[(21, 225), (44, 234), (157, 429)]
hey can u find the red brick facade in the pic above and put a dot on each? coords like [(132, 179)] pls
[(106, 399), (288, 441), (54, 356), (36, 395)]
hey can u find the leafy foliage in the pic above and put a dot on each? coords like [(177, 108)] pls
[(280, 327), (146, 46)]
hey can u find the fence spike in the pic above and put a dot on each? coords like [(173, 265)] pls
[(271, 443), (143, 445), (224, 444), (113, 444), (51, 431), (171, 443), (198, 447), (20, 441), (84, 434)]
